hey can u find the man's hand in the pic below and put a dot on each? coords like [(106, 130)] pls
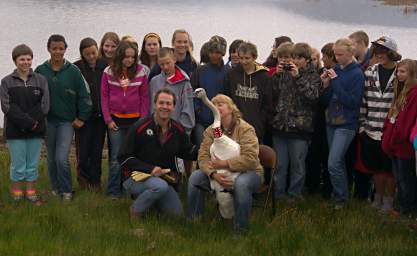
[(157, 171), (223, 180), (77, 123)]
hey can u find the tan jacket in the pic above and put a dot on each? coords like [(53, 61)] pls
[(244, 134)]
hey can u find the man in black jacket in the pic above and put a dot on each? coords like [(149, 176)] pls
[(149, 149)]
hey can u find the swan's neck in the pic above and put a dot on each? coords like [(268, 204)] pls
[(213, 109)]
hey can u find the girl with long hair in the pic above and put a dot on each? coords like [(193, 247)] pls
[(108, 45), (396, 132), (124, 99), (150, 46)]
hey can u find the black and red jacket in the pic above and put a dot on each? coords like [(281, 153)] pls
[(142, 148)]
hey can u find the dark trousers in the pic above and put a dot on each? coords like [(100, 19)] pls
[(89, 147), (360, 181), (405, 177)]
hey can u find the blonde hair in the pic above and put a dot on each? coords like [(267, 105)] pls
[(315, 52), (347, 43), (221, 98), (401, 90)]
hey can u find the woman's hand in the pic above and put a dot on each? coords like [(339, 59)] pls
[(112, 126), (223, 179), (216, 163), (77, 123)]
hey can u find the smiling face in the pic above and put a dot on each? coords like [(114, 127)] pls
[(90, 55), (129, 58), (23, 63), (246, 59), (57, 50), (164, 106), (109, 48), (152, 46), (181, 43)]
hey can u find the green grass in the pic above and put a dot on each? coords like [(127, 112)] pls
[(94, 225)]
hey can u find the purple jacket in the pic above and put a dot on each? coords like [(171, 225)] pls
[(130, 102)]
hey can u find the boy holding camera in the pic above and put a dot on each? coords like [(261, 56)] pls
[(295, 88)]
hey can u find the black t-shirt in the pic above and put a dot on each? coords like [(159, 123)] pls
[(384, 76)]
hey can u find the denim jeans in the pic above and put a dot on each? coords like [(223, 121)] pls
[(339, 140), (291, 152), (405, 178), (154, 192), (114, 179), (58, 143), (245, 185), (24, 158)]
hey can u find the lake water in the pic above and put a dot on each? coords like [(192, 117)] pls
[(314, 21)]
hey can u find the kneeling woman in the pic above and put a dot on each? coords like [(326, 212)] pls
[(247, 164)]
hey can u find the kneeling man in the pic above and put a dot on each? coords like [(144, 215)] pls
[(149, 151)]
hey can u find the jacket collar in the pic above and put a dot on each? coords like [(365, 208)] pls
[(15, 74)]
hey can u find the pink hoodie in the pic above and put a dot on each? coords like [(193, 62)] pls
[(130, 102)]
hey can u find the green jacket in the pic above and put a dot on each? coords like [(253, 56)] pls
[(68, 90)]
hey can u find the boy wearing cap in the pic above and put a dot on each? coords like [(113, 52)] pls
[(211, 78), (378, 95)]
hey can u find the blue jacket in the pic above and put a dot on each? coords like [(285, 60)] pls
[(211, 78), (343, 97)]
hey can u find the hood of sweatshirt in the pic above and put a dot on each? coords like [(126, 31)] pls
[(178, 77)]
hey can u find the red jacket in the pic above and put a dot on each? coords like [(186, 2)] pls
[(396, 135)]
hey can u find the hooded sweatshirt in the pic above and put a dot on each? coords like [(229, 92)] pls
[(343, 97), (68, 91), (188, 65), (251, 94), (211, 78), (25, 105), (180, 85), (396, 132), (124, 105)]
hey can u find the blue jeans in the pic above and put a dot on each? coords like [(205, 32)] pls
[(291, 152), (58, 143), (406, 181), (154, 192), (24, 159), (339, 140), (245, 185), (114, 179)]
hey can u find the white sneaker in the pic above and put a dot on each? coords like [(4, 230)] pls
[(67, 196)]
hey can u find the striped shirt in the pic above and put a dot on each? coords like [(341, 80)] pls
[(375, 103)]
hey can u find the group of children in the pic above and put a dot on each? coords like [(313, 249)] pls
[(310, 109)]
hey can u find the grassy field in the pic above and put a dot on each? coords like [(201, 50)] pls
[(94, 225)]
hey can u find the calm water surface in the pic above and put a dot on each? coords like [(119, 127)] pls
[(314, 21)]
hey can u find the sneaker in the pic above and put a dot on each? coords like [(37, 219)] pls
[(17, 194), (67, 196), (55, 192), (31, 195), (339, 206)]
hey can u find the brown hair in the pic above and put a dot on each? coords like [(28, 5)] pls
[(108, 36), (166, 91), (144, 56), (248, 47), (401, 89), (328, 51), (117, 66), (166, 51), (302, 50), (221, 98), (360, 36), (285, 49), (86, 43), (21, 49)]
